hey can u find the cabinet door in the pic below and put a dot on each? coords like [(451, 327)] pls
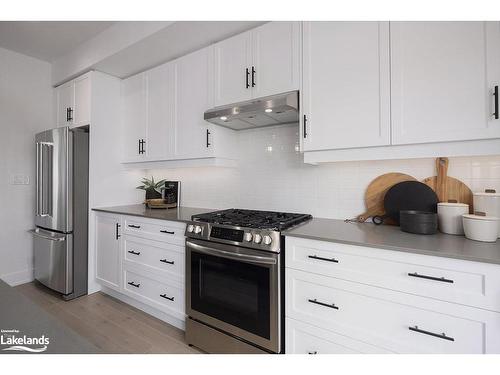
[(346, 85), (81, 110), (443, 76), (160, 113), (276, 57), (65, 96), (134, 116), (232, 76), (108, 262), (191, 100)]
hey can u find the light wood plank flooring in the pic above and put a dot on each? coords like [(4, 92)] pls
[(110, 324)]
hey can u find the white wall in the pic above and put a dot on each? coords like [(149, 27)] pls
[(272, 176), (25, 109)]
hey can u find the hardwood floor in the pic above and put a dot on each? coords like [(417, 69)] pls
[(110, 324)]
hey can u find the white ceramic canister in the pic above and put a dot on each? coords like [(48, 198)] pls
[(450, 217), (481, 228), (489, 203)]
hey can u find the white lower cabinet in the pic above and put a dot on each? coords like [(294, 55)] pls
[(345, 300), (143, 259)]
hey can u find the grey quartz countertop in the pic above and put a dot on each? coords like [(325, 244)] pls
[(392, 238), (173, 214), (21, 317)]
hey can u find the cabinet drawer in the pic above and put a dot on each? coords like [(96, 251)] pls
[(469, 283), (359, 312), (303, 338), (165, 295), (160, 256), (158, 230)]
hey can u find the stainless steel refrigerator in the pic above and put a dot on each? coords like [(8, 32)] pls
[(61, 217)]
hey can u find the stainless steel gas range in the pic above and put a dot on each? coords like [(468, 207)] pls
[(235, 279)]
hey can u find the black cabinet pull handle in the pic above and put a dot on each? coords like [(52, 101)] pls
[(247, 75), (70, 114), (139, 143), (133, 284), (117, 234), (167, 232), (208, 142), (67, 114), (305, 127), (332, 305), (312, 352), (253, 76), (333, 260), (442, 279), (134, 252), (143, 148), (167, 261), (133, 226), (495, 94), (165, 296), (438, 335)]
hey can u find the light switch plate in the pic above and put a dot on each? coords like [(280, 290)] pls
[(19, 179)]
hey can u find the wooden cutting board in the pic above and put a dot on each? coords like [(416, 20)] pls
[(375, 192), (448, 188)]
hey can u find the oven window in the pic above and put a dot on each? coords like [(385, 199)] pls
[(233, 292)]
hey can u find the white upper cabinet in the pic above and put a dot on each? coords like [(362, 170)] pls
[(194, 136), (160, 127), (346, 85), (443, 79), (276, 58), (260, 62), (134, 110), (233, 64), (81, 114), (65, 98), (73, 102)]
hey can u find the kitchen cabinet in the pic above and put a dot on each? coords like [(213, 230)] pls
[(108, 247), (73, 102), (443, 79), (260, 62), (134, 109), (417, 303), (346, 85)]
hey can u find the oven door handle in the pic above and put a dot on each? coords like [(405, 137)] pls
[(230, 255)]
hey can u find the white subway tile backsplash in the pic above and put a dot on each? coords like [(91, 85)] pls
[(271, 175)]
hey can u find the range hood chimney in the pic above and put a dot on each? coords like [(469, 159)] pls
[(271, 110)]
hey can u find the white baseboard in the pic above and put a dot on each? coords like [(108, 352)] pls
[(19, 277), (147, 309)]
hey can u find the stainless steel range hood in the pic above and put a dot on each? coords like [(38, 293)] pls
[(267, 111)]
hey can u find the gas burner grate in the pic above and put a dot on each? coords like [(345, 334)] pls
[(253, 219)]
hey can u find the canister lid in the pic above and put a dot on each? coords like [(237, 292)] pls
[(487, 193), (453, 204), (480, 217)]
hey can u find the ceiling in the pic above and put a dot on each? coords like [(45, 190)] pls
[(48, 40)]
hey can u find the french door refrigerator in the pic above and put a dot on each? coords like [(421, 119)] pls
[(61, 214)]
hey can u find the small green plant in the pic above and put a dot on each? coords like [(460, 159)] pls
[(150, 186)]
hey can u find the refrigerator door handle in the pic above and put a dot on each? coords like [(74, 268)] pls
[(38, 177), (38, 234)]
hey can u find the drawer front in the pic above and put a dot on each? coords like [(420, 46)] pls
[(165, 296), (160, 256), (322, 302), (158, 230), (302, 338), (469, 283)]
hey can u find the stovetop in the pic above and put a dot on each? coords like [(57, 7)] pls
[(254, 219)]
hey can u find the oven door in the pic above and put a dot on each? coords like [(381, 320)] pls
[(235, 290)]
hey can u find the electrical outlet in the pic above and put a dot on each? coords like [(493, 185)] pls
[(19, 179)]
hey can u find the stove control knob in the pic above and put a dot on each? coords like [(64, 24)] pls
[(267, 240), (197, 229), (257, 238), (248, 237), (190, 228)]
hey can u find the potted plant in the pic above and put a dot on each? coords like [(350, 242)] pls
[(153, 189)]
